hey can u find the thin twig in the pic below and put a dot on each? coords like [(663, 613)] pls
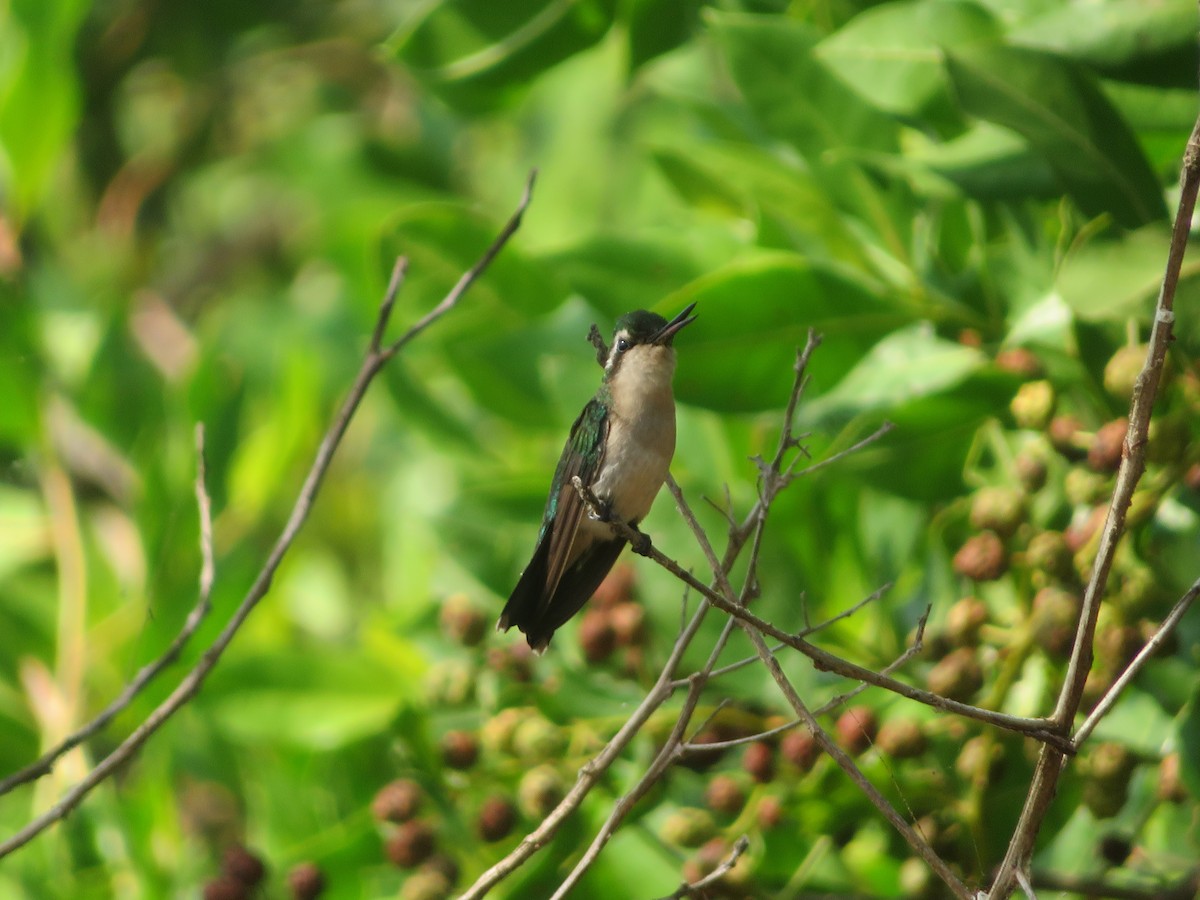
[(694, 888), (915, 839), (1184, 889), (1133, 463), (191, 683), (45, 764), (1156, 641), (591, 771), (1044, 730)]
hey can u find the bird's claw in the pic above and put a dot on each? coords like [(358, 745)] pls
[(641, 544)]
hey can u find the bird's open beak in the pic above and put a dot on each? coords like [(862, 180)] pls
[(668, 331)]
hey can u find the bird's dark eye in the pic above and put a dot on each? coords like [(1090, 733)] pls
[(622, 345)]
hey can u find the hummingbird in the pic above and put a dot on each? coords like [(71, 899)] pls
[(620, 447)]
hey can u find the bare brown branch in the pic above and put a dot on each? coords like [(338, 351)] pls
[(191, 683), (1133, 463)]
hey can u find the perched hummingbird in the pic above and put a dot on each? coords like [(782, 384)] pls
[(621, 447)]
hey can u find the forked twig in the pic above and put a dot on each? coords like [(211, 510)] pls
[(374, 360)]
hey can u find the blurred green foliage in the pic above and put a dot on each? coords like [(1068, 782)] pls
[(201, 205)]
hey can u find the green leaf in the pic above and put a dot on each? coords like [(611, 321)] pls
[(904, 366), (1189, 743), (755, 312), (934, 391), (987, 162), (1058, 108), (1115, 33), (892, 54), (442, 241), (39, 95), (1114, 280), (476, 53), (658, 26), (314, 699), (620, 272), (752, 182), (790, 92)]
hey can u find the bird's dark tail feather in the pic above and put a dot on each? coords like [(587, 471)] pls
[(538, 617)]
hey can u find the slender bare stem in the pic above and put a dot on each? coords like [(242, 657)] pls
[(696, 888), (191, 683), (1133, 463), (45, 764), (1159, 638)]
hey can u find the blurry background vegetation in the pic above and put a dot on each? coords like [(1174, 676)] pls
[(201, 203)]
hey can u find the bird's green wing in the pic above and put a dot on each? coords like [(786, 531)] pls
[(583, 456)]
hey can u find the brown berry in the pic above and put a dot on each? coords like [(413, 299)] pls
[(1080, 532), (1032, 470), (758, 759), (513, 662), (1191, 478), (306, 881), (226, 887), (981, 558), (856, 729), (460, 749), (1170, 780), (800, 748), (724, 795), (1104, 455), (628, 623), (410, 844), (901, 738), (1066, 436), (497, 817), (398, 801), (1019, 361), (1055, 616), (597, 638), (243, 865), (617, 586), (956, 676), (770, 813), (462, 621)]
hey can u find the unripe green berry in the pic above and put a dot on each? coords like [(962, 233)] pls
[(688, 827), (901, 738), (1049, 555), (1122, 370), (1033, 405), (998, 509), (537, 739), (540, 790), (957, 676)]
